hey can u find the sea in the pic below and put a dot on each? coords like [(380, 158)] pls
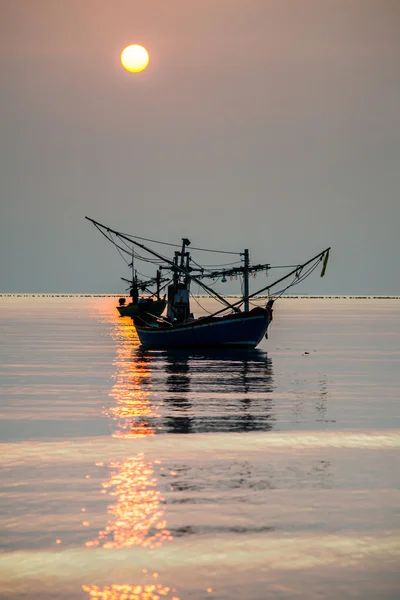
[(130, 474)]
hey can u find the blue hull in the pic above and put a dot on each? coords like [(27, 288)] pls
[(244, 330)]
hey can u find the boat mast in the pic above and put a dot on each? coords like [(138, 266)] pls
[(173, 264), (181, 271), (321, 256), (178, 292), (158, 282), (185, 242), (246, 281)]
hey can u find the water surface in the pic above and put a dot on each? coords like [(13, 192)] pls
[(137, 474)]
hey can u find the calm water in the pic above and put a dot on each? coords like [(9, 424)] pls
[(271, 474)]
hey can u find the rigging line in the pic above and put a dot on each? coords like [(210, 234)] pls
[(132, 251), (215, 297), (214, 294), (175, 267), (294, 281), (111, 240), (198, 303), (301, 279), (197, 264), (283, 267), (151, 280), (311, 268), (303, 276), (274, 283), (149, 260), (237, 262), (312, 260), (126, 244), (216, 251), (122, 256), (120, 253), (205, 270), (177, 245), (143, 275), (161, 288), (137, 255), (281, 292), (143, 258), (137, 237), (297, 280)]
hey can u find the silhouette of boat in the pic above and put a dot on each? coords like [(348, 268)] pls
[(242, 327), (141, 305)]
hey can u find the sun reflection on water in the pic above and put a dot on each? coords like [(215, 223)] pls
[(138, 516), (130, 592), (137, 512), (130, 391)]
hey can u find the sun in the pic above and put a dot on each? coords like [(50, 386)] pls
[(134, 58)]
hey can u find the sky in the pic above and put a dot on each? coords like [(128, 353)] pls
[(272, 125)]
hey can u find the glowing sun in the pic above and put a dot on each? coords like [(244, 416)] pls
[(134, 58)]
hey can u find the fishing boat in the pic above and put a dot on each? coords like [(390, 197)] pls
[(238, 324), (152, 303), (142, 305)]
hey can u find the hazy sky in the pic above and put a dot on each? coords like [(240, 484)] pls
[(267, 124)]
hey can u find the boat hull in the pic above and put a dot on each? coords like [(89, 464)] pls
[(243, 330), (134, 310)]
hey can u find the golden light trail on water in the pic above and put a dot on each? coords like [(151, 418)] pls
[(138, 519), (130, 592), (133, 408), (137, 513)]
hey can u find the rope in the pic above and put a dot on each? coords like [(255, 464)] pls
[(298, 280), (137, 237), (198, 303), (237, 262)]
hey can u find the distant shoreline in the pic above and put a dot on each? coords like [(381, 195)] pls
[(284, 297)]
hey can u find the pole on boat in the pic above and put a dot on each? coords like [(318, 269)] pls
[(174, 264), (183, 271), (158, 281), (185, 242), (246, 280), (295, 271), (320, 256)]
